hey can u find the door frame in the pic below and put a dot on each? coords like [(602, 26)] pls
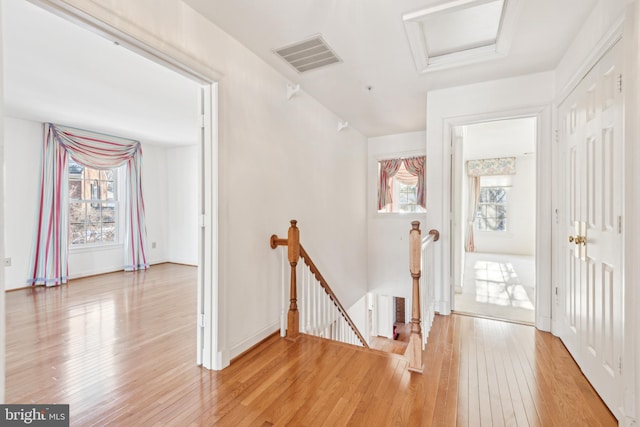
[(109, 25), (543, 115)]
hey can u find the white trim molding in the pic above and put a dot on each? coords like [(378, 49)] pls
[(417, 38)]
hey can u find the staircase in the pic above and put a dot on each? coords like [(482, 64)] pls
[(317, 311), (314, 309)]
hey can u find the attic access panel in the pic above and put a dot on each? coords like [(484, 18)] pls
[(460, 32)]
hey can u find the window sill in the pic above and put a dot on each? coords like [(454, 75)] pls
[(400, 215), (504, 234), (95, 248)]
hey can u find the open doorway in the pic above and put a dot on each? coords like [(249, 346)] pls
[(179, 172), (494, 227)]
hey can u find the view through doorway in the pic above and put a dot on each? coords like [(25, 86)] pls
[(93, 76), (494, 227)]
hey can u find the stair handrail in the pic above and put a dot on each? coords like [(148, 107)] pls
[(295, 251)]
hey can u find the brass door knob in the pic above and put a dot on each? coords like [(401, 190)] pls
[(578, 240)]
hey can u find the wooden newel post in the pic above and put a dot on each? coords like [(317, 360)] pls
[(293, 245), (415, 339)]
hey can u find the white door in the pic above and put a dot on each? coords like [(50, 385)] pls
[(591, 310)]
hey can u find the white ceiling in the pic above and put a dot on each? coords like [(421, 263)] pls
[(501, 138), (370, 38), (55, 71)]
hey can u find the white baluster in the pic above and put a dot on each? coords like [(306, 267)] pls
[(305, 297), (283, 296), (319, 308), (325, 316)]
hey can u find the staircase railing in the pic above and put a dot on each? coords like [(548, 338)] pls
[(316, 310), (421, 259)]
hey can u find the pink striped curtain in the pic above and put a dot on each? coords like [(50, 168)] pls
[(415, 166), (94, 150), (49, 259), (388, 168)]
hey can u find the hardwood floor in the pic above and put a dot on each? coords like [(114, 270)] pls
[(119, 349), (389, 345)]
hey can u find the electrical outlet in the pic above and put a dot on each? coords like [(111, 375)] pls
[(7, 262), (153, 245)]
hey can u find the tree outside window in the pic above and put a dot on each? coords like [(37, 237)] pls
[(492, 209), (93, 216)]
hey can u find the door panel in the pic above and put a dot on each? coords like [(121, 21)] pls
[(592, 142)]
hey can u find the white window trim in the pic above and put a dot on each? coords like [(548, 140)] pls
[(119, 243)]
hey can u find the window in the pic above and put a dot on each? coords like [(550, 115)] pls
[(492, 209), (401, 185), (93, 213)]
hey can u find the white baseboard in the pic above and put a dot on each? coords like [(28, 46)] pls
[(543, 323), (246, 344), (106, 270), (443, 308)]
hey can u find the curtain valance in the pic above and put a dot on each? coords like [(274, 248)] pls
[(497, 166), (93, 149)]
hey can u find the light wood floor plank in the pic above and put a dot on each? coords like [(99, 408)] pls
[(120, 349)]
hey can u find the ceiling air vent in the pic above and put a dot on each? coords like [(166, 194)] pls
[(309, 54)]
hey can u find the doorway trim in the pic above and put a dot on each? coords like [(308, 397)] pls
[(543, 115), (129, 35)]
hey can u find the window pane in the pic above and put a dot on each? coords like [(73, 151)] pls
[(492, 210), (75, 188), (93, 232), (76, 234), (110, 190), (77, 213), (92, 207), (108, 222)]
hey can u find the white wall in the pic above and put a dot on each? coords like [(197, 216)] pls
[(2, 220), (183, 187), (23, 140), (22, 150), (388, 234), (528, 95), (358, 312), (155, 181), (279, 159)]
